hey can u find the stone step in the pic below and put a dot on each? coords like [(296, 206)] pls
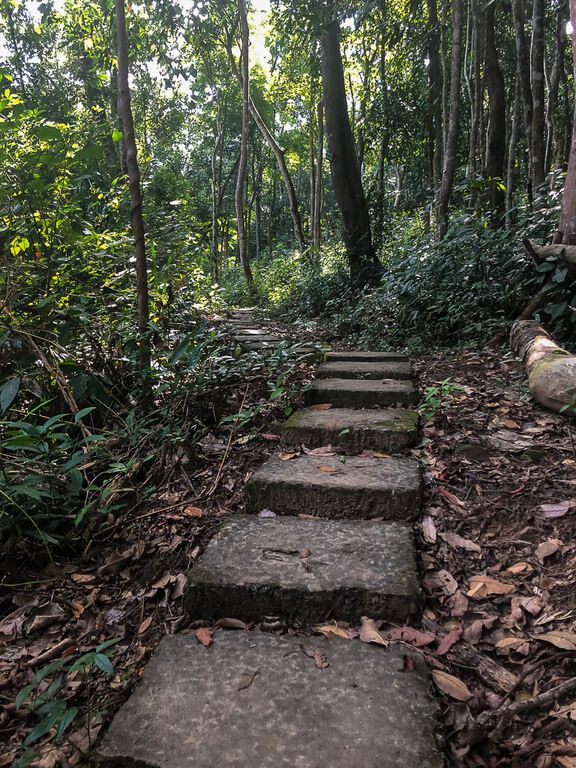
[(367, 357), (256, 332), (389, 430), (256, 699), (243, 338), (360, 393), (362, 370), (305, 570), (337, 487)]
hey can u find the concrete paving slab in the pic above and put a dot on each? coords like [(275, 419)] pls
[(259, 700), (388, 430), (345, 369), (360, 393), (305, 570), (352, 487), (368, 357)]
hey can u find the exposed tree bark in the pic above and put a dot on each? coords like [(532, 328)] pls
[(551, 370), (316, 228), (216, 168), (554, 137), (496, 144), (566, 232), (452, 136), (241, 180), (346, 179), (435, 75), (436, 109), (477, 92), (537, 82), (284, 172), (512, 144), (133, 172), (523, 65)]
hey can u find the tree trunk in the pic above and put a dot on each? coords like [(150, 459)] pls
[(537, 82), (496, 145), (553, 128), (567, 227), (435, 84), (512, 153), (346, 179), (452, 136), (551, 370), (133, 172), (477, 93), (316, 228), (241, 180), (284, 172), (216, 168), (523, 66)]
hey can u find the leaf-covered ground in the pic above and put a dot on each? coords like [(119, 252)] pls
[(497, 554)]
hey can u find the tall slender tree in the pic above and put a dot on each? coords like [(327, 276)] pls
[(242, 165), (133, 173)]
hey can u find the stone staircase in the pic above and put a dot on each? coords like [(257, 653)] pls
[(327, 538)]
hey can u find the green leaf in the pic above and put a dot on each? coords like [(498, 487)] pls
[(104, 663), (8, 393), (43, 727), (117, 135), (66, 721), (83, 412), (47, 132), (23, 695)]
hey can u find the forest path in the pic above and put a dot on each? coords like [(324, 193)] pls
[(326, 537)]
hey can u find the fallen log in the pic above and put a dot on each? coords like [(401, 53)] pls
[(551, 370)]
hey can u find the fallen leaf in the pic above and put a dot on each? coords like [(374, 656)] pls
[(564, 640), (548, 548), (267, 436), (285, 456), (449, 583), (520, 568), (429, 532), (509, 642), (448, 641), (179, 586), (458, 542), (556, 510), (565, 762), (369, 632), (410, 635), (321, 407), (451, 498), (204, 636), (83, 578), (193, 511), (334, 629), (328, 469), (266, 513), (145, 625), (407, 663), (315, 653), (247, 679), (451, 685), (324, 450), (482, 586)]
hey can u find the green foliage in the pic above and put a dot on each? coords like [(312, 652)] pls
[(434, 398)]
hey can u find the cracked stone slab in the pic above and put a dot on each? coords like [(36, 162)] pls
[(338, 487), (388, 430), (344, 369), (361, 393), (305, 570), (255, 699), (367, 357)]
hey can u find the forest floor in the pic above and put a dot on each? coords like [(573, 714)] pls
[(498, 556)]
